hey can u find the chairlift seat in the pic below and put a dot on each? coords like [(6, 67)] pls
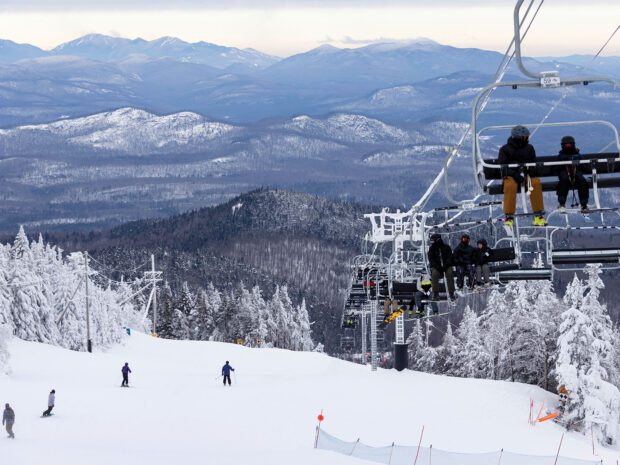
[(609, 163), (526, 274), (583, 256), (503, 267), (552, 186)]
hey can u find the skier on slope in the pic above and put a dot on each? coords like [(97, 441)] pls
[(51, 399), (125, 370), (226, 369), (8, 420)]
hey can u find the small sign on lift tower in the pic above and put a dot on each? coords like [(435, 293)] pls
[(550, 79)]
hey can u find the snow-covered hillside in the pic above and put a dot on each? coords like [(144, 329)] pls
[(178, 412), (128, 130), (352, 128)]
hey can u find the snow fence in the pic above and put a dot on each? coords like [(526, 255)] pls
[(406, 455)]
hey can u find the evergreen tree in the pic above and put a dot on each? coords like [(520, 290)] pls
[(415, 345), (447, 353), (472, 361)]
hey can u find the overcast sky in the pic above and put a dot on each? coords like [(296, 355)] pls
[(287, 27)]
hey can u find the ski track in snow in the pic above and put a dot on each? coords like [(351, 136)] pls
[(176, 412)]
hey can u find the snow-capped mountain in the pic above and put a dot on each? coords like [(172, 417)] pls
[(105, 48), (11, 51), (128, 130), (357, 129)]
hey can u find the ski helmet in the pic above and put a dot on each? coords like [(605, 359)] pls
[(226, 361), (519, 132), (567, 140), (465, 238), (435, 237)]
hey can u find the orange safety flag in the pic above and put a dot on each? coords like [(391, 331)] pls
[(551, 416)]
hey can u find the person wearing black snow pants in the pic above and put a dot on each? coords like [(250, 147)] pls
[(51, 400), (440, 263), (125, 370), (571, 177), (463, 256), (226, 369)]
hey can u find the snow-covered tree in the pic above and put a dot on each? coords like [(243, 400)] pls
[(447, 353), (5, 337), (584, 357), (472, 360)]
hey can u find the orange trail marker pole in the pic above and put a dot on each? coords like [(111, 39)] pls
[(419, 444), (320, 418), (559, 447), (551, 416), (540, 411)]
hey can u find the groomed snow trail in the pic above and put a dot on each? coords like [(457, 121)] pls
[(175, 412)]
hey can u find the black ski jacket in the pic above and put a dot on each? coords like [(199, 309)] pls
[(571, 170), (463, 254), (482, 256), (516, 151), (440, 256)]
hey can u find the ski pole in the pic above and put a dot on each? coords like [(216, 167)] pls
[(217, 377)]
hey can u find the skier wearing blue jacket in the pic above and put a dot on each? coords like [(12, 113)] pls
[(226, 369)]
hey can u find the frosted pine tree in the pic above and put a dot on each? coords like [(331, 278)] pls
[(186, 304), (415, 345), (165, 310), (5, 292), (427, 358), (585, 349), (180, 327), (5, 337), (447, 353), (526, 348), (472, 361), (602, 403), (305, 330), (493, 322), (32, 313)]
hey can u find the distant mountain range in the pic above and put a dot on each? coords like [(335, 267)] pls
[(111, 167), (112, 49), (100, 73)]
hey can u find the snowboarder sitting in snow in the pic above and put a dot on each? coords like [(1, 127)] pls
[(8, 420), (226, 369), (125, 370), (463, 260), (50, 403), (440, 261), (482, 256), (423, 293)]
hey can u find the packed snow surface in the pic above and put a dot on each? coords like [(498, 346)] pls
[(176, 411)]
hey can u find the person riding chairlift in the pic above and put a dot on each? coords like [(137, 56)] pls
[(571, 177), (519, 150)]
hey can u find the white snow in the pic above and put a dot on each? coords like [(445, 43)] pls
[(177, 412), (131, 130)]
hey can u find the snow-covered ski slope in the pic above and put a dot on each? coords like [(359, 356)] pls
[(175, 412)]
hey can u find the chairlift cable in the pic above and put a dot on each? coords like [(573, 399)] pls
[(565, 91), (499, 75)]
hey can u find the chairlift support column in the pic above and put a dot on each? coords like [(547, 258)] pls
[(364, 332)]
